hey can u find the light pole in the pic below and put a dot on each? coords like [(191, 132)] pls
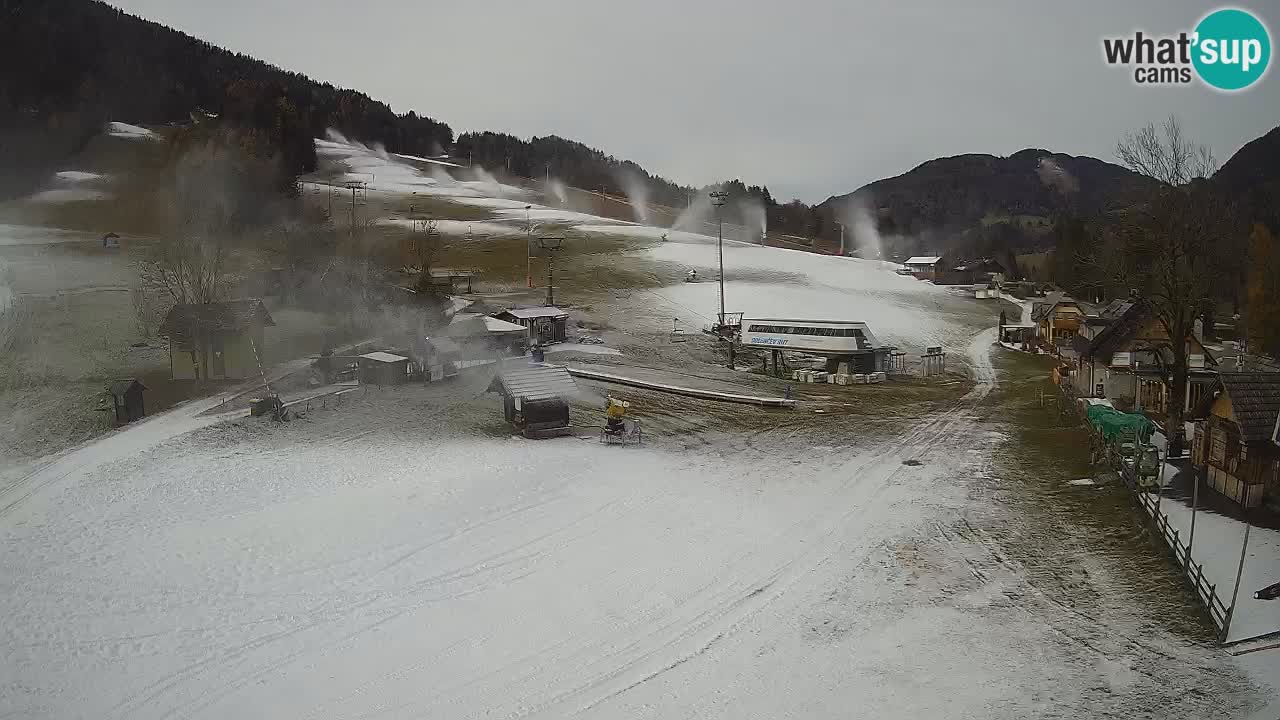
[(551, 245), (718, 199), (841, 237), (528, 248), (1244, 548)]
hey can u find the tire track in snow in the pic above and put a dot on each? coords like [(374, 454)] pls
[(723, 621)]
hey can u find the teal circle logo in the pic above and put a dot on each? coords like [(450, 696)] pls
[(1232, 49)]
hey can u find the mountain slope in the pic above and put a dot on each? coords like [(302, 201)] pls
[(1253, 176), (967, 191)]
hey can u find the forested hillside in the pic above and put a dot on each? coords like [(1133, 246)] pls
[(1015, 197), (68, 66)]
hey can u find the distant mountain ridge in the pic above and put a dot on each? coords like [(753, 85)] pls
[(966, 191), (1253, 176), (1013, 201)]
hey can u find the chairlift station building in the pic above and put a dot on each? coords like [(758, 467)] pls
[(839, 341)]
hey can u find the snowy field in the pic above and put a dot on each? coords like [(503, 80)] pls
[(1218, 541), (403, 557)]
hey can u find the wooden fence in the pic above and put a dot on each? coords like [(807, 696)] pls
[(1065, 402), (1192, 570)]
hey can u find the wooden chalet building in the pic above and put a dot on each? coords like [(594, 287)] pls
[(215, 341), (1235, 441), (1057, 323), (1130, 360)]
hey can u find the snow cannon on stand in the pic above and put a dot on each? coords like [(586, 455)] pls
[(617, 428)]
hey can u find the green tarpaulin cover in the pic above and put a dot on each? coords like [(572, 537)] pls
[(1111, 422)]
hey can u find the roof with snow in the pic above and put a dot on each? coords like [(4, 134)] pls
[(981, 265), (465, 324), (384, 357), (534, 381), (445, 345), (923, 260), (1042, 310), (535, 312), (1120, 329), (188, 320), (125, 130)]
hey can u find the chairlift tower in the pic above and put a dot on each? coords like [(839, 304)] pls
[(551, 244)]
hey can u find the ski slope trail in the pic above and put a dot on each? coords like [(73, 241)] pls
[(386, 560), (259, 612)]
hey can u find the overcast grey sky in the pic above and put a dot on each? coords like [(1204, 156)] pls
[(810, 97)]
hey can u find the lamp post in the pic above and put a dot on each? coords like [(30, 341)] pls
[(528, 248), (551, 245), (1244, 549), (718, 199)]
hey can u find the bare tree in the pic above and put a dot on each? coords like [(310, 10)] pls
[(149, 306), (189, 269), (1165, 154), (1170, 249)]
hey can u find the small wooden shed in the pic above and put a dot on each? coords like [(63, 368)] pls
[(126, 400), (535, 397), (383, 368), (441, 358), (544, 324)]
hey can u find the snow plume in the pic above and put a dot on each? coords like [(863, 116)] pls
[(751, 210), (697, 215), (334, 136), (440, 175), (637, 193), (480, 175), (1056, 177), (860, 229), (556, 188)]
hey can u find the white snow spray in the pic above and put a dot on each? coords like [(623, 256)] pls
[(753, 216), (1056, 177), (637, 192), (556, 188), (860, 229), (696, 216), (479, 174)]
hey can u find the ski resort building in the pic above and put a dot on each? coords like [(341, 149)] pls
[(924, 267), (543, 325), (215, 341), (840, 341)]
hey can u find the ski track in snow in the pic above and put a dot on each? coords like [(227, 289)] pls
[(367, 566), (591, 668)]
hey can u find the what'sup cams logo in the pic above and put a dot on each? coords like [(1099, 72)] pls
[(1228, 50)]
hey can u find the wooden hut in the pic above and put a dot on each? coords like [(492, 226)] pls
[(216, 341), (383, 368), (545, 324), (1235, 437), (535, 397), (126, 400), (441, 358)]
